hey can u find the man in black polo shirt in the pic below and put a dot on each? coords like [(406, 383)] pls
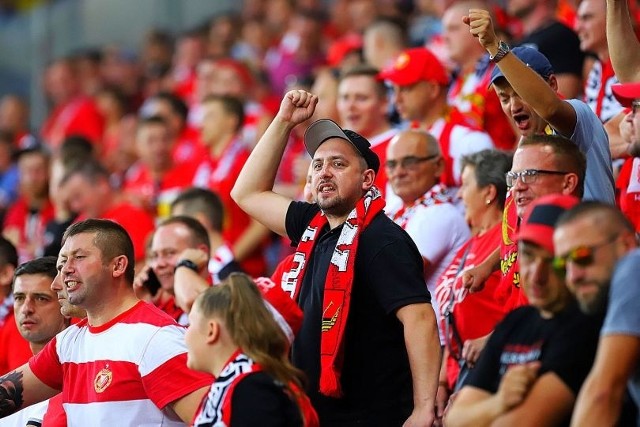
[(368, 342)]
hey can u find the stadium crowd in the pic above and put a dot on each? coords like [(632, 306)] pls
[(352, 212)]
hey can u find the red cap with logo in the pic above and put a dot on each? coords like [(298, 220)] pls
[(415, 65)]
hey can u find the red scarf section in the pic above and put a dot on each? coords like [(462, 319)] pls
[(337, 289)]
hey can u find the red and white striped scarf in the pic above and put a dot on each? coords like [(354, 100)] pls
[(339, 281)]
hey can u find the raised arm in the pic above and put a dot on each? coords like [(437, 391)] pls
[(525, 82), (253, 190), (624, 48), (21, 388)]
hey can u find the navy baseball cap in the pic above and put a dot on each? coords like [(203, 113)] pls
[(532, 59), (324, 129)]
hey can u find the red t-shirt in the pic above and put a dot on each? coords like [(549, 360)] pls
[(157, 196), (30, 226), (77, 117), (14, 349), (219, 175), (188, 148), (628, 185), (510, 289), (476, 314)]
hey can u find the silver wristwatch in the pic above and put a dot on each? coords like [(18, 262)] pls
[(503, 49)]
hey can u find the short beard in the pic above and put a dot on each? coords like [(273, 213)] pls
[(598, 305), (335, 207)]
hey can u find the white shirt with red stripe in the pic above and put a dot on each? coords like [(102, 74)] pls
[(122, 373), (456, 140)]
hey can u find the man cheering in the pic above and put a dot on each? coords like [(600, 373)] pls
[(368, 342)]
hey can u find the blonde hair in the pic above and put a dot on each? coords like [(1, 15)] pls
[(237, 301)]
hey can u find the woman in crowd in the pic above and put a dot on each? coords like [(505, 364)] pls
[(233, 336), (467, 319)]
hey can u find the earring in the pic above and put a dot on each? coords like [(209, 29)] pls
[(488, 202)]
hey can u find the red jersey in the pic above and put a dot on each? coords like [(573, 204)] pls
[(188, 148), (510, 289), (14, 349), (474, 98), (597, 91), (157, 196), (628, 186), (29, 225), (475, 315), (219, 175), (79, 116)]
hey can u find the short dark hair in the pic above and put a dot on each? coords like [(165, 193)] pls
[(609, 217), (8, 253), (230, 105), (366, 70), (75, 149), (491, 167), (45, 265), (110, 237), (568, 156), (151, 120), (91, 170), (175, 102), (200, 200), (199, 235)]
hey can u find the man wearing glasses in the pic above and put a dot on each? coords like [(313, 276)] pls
[(595, 249), (539, 355), (420, 86), (542, 165), (428, 214)]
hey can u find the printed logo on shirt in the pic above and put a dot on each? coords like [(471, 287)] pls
[(519, 354), (103, 379)]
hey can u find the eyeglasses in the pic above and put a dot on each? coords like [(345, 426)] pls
[(529, 176), (582, 255), (409, 162)]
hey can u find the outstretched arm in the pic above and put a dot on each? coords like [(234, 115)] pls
[(525, 82), (624, 48), (21, 388), (253, 190)]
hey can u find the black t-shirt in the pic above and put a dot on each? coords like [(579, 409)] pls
[(565, 345), (376, 376), (560, 45), (258, 400)]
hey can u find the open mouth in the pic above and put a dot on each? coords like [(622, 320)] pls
[(72, 285), (522, 121), (325, 188)]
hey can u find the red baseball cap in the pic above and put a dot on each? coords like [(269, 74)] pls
[(414, 65), (626, 93), (540, 219)]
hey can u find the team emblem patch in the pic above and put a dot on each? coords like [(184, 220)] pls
[(103, 379)]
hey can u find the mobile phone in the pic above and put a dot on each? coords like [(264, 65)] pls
[(152, 283)]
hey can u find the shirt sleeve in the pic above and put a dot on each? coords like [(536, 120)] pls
[(46, 365), (164, 371), (623, 316), (298, 217), (437, 231)]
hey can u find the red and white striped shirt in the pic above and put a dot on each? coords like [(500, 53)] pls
[(122, 373)]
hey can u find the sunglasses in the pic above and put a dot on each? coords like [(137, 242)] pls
[(582, 256)]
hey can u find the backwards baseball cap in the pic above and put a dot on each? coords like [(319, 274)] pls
[(414, 65), (324, 129), (626, 93), (532, 59), (540, 219)]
